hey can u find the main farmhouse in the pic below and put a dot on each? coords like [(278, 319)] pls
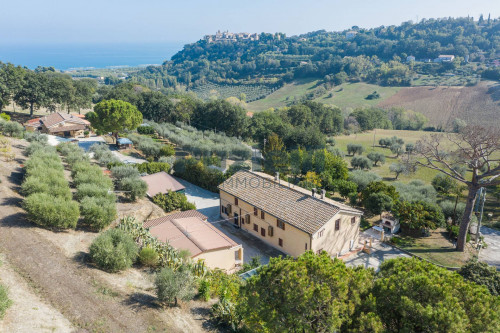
[(287, 217)]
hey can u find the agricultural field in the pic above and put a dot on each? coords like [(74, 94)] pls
[(367, 139), (479, 104), (251, 91), (441, 104)]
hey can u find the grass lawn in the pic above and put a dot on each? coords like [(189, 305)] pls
[(279, 98), (436, 248), (353, 95), (346, 95), (367, 138)]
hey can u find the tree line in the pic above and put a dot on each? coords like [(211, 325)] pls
[(44, 87)]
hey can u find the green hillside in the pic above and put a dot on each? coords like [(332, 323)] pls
[(346, 95)]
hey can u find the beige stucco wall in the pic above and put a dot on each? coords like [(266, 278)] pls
[(340, 241), (223, 259), (294, 239)]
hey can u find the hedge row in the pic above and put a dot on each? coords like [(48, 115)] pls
[(48, 196), (97, 203), (127, 179)]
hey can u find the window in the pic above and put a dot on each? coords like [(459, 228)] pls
[(262, 214), (280, 242), (306, 246), (236, 201), (255, 227), (280, 224), (353, 220), (263, 232), (321, 233), (255, 211), (223, 210), (337, 225)]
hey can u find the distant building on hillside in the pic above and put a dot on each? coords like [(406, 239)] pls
[(230, 36), (410, 58), (444, 58), (351, 34)]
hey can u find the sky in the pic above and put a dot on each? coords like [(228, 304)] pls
[(151, 21)]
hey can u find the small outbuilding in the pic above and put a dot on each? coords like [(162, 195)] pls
[(162, 182), (124, 143), (389, 223), (190, 231)]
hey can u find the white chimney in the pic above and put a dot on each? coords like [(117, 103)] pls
[(313, 192), (323, 192), (277, 176)]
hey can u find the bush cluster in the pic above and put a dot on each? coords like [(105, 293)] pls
[(202, 143), (113, 250), (153, 167), (97, 204), (127, 179), (149, 147), (103, 155), (173, 201), (196, 172), (48, 196), (11, 128)]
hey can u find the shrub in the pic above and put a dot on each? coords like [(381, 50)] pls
[(92, 177), (353, 149), (153, 167), (416, 190), (483, 274), (145, 130), (76, 157), (448, 208), (36, 146), (36, 137), (361, 162), (150, 148), (49, 211), (204, 289), (396, 148), (51, 184), (148, 257), (124, 171), (173, 201), (197, 173), (173, 285), (97, 212), (134, 187), (113, 250), (13, 129), (92, 190), (167, 159), (5, 302), (443, 183), (167, 150), (4, 116)]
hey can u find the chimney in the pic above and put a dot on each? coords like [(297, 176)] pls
[(277, 176), (323, 192), (313, 192)]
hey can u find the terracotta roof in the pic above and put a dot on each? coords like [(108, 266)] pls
[(161, 182), (179, 215), (58, 117), (36, 122), (58, 129), (283, 200), (192, 234)]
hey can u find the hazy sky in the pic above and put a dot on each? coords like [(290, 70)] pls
[(70, 21)]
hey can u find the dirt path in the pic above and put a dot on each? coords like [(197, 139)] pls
[(66, 284), (28, 313)]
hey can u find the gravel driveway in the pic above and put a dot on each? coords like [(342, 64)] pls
[(208, 204), (491, 254)]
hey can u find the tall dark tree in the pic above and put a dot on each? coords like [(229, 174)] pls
[(33, 93)]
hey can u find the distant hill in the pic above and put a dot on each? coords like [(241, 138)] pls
[(377, 56)]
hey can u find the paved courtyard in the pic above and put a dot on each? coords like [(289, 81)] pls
[(208, 204), (381, 252), (491, 254)]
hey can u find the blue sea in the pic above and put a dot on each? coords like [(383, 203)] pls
[(72, 56)]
